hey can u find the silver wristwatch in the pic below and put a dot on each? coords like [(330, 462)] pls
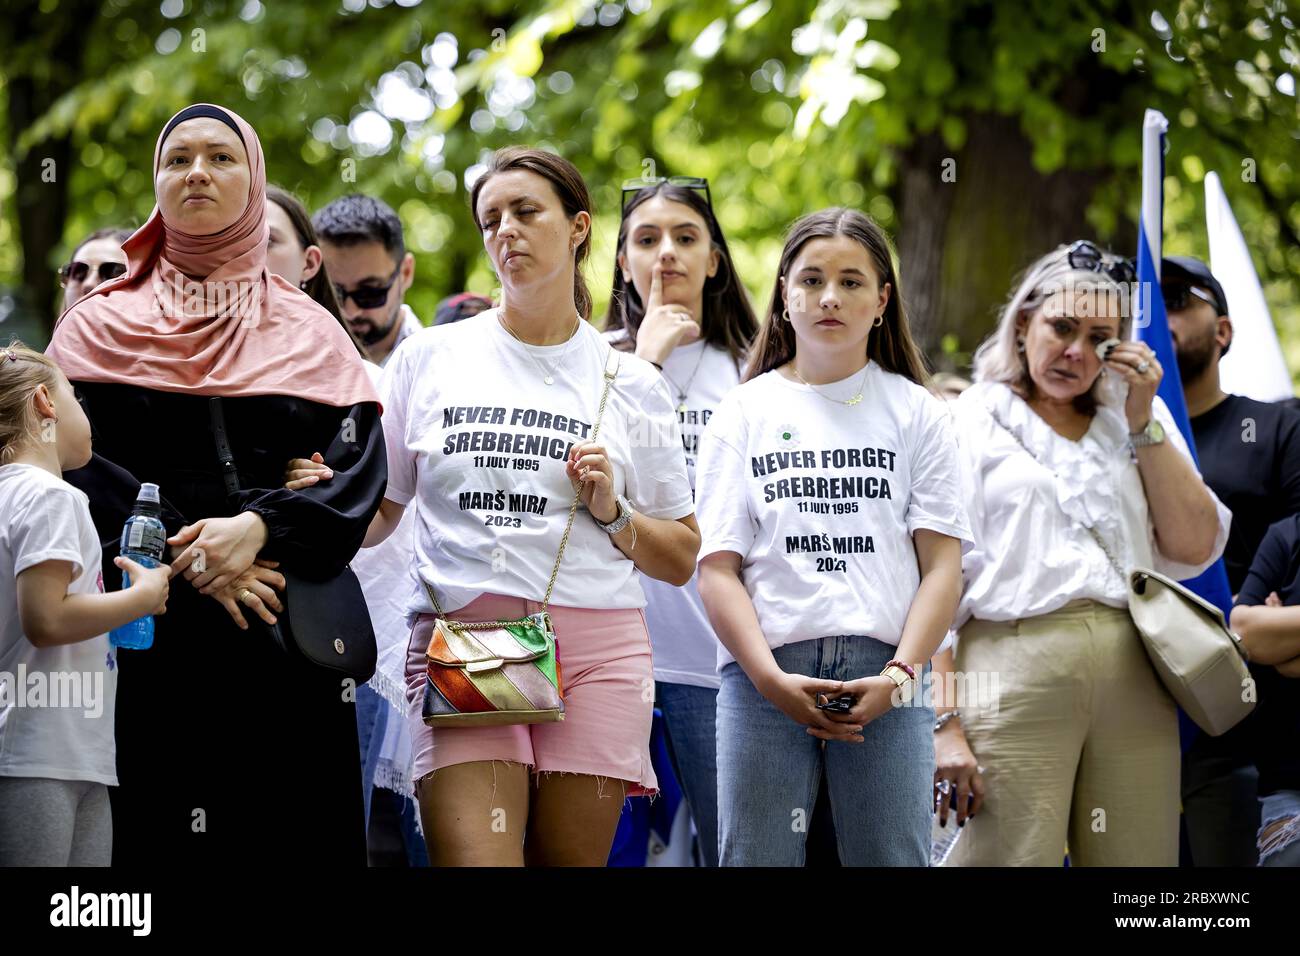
[(1153, 434), (622, 521), (944, 718)]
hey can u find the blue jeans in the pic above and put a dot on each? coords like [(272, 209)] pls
[(1284, 847), (769, 768), (372, 719), (689, 712)]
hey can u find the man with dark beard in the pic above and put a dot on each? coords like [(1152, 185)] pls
[(361, 242), (1250, 456)]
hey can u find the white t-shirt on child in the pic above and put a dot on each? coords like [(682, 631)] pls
[(685, 647), (56, 703), (471, 425), (821, 499)]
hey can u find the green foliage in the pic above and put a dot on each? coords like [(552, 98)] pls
[(785, 106)]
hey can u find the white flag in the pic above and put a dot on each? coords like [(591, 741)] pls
[(1254, 365)]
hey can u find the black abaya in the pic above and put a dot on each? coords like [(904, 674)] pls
[(228, 749)]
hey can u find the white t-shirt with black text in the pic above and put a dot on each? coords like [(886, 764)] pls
[(821, 499), (472, 428), (56, 703), (699, 376)]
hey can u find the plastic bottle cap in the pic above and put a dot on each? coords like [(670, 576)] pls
[(148, 492)]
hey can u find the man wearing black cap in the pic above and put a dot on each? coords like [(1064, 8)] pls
[(1250, 456)]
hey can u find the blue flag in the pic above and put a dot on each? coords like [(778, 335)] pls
[(1152, 324)]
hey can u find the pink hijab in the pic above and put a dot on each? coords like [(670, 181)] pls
[(239, 331)]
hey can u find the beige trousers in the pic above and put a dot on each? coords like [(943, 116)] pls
[(1081, 750)]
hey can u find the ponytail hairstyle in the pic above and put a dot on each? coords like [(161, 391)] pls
[(22, 371), (728, 321), (319, 286), (569, 186), (891, 345)]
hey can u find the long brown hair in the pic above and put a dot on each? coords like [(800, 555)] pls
[(891, 346), (319, 286), (568, 185), (728, 320)]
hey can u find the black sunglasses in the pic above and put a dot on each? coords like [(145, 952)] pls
[(368, 296), (633, 186), (1085, 255), (1178, 296), (77, 271)]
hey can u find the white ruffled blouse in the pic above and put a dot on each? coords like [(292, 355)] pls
[(1030, 514)]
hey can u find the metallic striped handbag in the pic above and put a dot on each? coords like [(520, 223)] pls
[(483, 673)]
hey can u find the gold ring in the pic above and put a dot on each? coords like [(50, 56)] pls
[(242, 596)]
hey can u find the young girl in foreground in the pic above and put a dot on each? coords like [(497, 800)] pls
[(57, 756), (830, 509)]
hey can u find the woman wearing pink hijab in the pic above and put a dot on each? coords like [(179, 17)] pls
[(214, 722)]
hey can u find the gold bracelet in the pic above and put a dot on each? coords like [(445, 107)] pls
[(896, 674)]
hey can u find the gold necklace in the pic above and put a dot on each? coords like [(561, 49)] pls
[(548, 376), (853, 400)]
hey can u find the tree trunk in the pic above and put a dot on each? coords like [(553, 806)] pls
[(924, 216), (962, 243), (41, 197)]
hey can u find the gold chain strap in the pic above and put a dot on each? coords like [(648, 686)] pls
[(568, 527)]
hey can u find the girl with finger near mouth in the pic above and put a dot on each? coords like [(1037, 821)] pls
[(678, 302)]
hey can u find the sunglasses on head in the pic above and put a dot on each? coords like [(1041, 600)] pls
[(77, 271), (633, 186), (368, 296), (1178, 296), (1085, 255)]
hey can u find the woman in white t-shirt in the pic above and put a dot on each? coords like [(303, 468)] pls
[(488, 423), (833, 529), (678, 303), (1077, 473), (58, 672)]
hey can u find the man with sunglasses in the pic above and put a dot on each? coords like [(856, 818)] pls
[(1250, 456), (97, 258), (365, 253)]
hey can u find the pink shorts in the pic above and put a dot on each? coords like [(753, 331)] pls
[(608, 699)]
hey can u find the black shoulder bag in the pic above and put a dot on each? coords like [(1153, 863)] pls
[(325, 622)]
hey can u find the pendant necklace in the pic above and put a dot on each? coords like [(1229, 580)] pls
[(548, 375), (684, 389)]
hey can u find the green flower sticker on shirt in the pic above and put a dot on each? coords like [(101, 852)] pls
[(787, 436)]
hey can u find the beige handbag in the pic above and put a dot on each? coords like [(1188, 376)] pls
[(1201, 662), (1197, 657)]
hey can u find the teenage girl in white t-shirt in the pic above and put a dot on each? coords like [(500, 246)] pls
[(57, 669), (489, 422), (678, 303), (833, 530)]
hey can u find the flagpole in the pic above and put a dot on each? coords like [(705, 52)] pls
[(1154, 128), (1151, 325)]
